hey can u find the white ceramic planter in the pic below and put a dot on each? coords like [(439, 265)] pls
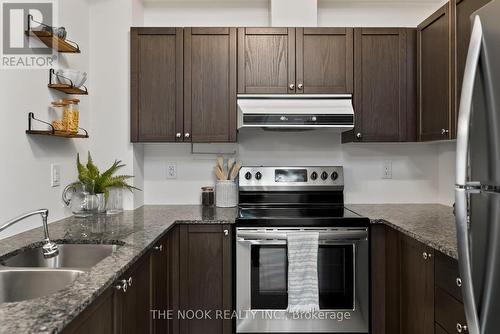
[(226, 194)]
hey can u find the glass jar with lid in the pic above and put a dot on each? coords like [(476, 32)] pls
[(57, 115), (71, 115)]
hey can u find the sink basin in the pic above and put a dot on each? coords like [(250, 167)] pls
[(23, 284), (70, 256)]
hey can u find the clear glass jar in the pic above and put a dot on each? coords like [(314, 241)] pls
[(71, 115), (57, 115), (207, 196)]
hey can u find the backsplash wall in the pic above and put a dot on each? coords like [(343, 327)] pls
[(415, 167)]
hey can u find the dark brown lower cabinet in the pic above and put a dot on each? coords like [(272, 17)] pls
[(417, 287), (414, 288), (120, 311), (97, 318), (133, 306), (205, 278)]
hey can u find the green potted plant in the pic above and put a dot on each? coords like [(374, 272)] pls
[(99, 183)]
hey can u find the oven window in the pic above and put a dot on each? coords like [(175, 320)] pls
[(269, 275)]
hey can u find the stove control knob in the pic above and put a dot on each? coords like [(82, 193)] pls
[(324, 176), (335, 176), (314, 176), (258, 175), (248, 175)]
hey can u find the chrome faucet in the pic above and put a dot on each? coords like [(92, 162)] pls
[(49, 248)]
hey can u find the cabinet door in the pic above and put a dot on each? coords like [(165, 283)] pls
[(156, 84), (160, 285), (463, 12), (96, 319), (324, 60), (435, 90), (266, 60), (210, 84), (417, 287), (206, 276), (133, 306), (384, 85)]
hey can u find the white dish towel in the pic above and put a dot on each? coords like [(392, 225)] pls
[(303, 295)]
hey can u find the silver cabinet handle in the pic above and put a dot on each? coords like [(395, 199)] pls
[(226, 232), (461, 328), (158, 248), (292, 86), (459, 282), (425, 255), (300, 86), (178, 135), (129, 281), (359, 135), (445, 132), (123, 285), (187, 135)]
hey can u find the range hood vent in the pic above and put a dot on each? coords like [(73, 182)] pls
[(296, 112)]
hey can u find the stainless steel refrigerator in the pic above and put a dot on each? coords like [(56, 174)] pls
[(477, 191)]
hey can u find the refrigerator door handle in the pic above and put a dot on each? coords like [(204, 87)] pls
[(465, 110), (464, 259)]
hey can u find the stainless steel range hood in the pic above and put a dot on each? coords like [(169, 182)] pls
[(296, 112)]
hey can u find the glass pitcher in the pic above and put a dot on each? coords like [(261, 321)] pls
[(80, 198)]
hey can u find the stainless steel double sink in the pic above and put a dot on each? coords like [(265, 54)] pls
[(28, 274)]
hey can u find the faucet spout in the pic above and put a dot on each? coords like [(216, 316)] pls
[(49, 248)]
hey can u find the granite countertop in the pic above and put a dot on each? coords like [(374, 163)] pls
[(138, 229), (431, 224)]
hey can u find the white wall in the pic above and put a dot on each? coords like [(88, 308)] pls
[(26, 160), (415, 166), (207, 13), (419, 170), (110, 22), (375, 13)]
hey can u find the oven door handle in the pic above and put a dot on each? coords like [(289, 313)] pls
[(329, 236)]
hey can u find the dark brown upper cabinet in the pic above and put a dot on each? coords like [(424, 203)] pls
[(206, 276), (435, 76), (156, 84), (266, 60), (210, 84), (384, 85), (324, 60), (463, 12)]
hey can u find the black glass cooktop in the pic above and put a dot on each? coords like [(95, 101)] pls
[(306, 215)]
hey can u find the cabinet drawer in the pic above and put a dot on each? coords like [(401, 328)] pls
[(447, 274), (448, 311)]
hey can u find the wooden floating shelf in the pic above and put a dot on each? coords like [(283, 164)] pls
[(54, 42), (56, 134), (68, 89)]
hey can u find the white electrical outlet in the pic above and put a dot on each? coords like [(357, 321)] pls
[(171, 170), (55, 175), (387, 170)]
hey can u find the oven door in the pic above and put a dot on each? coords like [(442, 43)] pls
[(262, 270)]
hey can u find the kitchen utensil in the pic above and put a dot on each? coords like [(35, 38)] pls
[(230, 164), (219, 173), (235, 170)]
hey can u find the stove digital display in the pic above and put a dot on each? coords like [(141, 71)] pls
[(290, 175)]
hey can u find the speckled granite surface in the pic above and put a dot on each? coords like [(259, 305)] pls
[(138, 229), (431, 224)]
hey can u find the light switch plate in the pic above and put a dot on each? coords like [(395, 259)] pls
[(171, 170), (387, 170), (55, 175)]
